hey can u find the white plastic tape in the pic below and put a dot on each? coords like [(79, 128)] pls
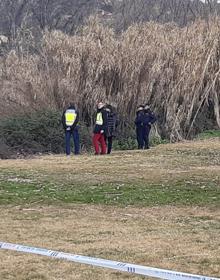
[(121, 266)]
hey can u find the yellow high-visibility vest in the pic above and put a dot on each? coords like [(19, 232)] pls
[(70, 117), (99, 119)]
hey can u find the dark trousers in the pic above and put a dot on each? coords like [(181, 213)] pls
[(146, 132), (99, 138), (139, 135), (75, 134), (142, 133), (109, 143)]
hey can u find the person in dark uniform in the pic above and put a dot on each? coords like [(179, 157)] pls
[(139, 126), (100, 129), (111, 127), (70, 120), (149, 118)]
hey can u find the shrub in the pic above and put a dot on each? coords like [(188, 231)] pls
[(42, 132), (37, 132), (5, 151)]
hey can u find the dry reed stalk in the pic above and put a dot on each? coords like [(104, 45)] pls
[(176, 70)]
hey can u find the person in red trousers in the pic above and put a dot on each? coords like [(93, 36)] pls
[(100, 129)]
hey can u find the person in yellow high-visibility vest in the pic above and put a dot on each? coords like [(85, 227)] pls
[(70, 120), (100, 129)]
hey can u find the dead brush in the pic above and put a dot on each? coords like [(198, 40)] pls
[(175, 69)]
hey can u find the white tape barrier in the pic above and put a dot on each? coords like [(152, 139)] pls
[(126, 267)]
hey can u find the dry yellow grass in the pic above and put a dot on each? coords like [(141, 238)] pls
[(161, 163), (185, 239), (170, 237)]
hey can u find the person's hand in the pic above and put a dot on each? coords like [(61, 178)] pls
[(102, 131)]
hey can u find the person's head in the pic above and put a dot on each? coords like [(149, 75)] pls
[(100, 105), (146, 107), (140, 108), (72, 105), (109, 108)]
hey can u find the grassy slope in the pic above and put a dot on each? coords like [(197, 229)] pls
[(177, 174), (169, 234)]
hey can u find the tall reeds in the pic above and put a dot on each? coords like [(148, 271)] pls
[(174, 69)]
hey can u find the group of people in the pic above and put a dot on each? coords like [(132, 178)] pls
[(144, 120), (105, 126)]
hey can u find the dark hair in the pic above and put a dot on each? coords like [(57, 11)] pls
[(72, 105), (108, 106)]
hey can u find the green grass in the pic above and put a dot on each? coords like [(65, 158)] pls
[(183, 192), (209, 134), (173, 174)]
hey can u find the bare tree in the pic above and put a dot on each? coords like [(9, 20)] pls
[(61, 14), (68, 15), (126, 12), (13, 15)]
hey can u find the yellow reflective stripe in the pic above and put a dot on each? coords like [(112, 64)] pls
[(99, 119), (70, 118)]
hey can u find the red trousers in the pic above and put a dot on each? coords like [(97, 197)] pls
[(98, 138)]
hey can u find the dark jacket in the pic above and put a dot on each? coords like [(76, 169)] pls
[(139, 120), (145, 119), (101, 113), (73, 126), (112, 123), (149, 118)]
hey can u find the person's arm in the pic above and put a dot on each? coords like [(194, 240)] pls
[(153, 118), (136, 120), (76, 120), (63, 120), (116, 121), (139, 119), (105, 121)]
